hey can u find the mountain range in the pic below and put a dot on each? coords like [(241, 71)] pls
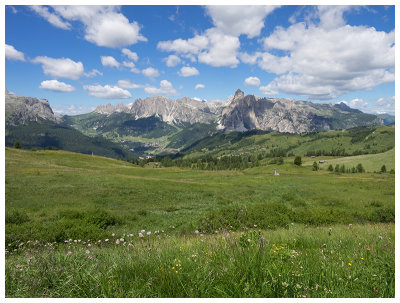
[(163, 125)]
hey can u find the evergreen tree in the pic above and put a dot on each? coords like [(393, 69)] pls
[(383, 168), (360, 168), (297, 161), (330, 167), (17, 145), (315, 166)]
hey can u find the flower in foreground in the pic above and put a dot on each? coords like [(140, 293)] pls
[(69, 253), (349, 264), (87, 251), (141, 235)]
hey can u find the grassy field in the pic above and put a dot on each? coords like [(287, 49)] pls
[(186, 233), (371, 163), (361, 140)]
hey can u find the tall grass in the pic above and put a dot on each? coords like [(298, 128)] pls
[(339, 261)]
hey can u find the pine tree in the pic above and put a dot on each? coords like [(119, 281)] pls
[(297, 161)]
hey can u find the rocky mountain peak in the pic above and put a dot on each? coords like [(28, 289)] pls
[(238, 94), (21, 109), (285, 115)]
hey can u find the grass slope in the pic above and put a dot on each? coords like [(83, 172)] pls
[(370, 163), (246, 244), (59, 192), (358, 140), (45, 134)]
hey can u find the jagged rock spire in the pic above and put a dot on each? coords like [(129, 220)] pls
[(238, 94)]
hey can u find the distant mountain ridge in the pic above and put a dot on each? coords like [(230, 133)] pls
[(159, 125), (285, 115), (20, 110), (168, 110), (243, 113)]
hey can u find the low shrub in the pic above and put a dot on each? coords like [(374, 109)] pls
[(263, 215), (383, 215), (102, 219)]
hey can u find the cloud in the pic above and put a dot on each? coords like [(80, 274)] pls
[(385, 105), (172, 60), (180, 46), (324, 61), (109, 61), (103, 25), (50, 17), (222, 49), (252, 81), (60, 68), (93, 73), (165, 88), (358, 104), (331, 16), (188, 71), (199, 86), (239, 19), (131, 65), (107, 92), (72, 109), (56, 86), (12, 54), (150, 72), (128, 85), (131, 55), (213, 48)]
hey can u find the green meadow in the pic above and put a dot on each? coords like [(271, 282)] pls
[(88, 226)]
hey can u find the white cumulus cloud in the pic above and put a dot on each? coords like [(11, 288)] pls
[(72, 109), (51, 17), (131, 66), (385, 105), (60, 68), (358, 104), (56, 86), (213, 48), (109, 61), (93, 73), (239, 19), (103, 25), (150, 72), (188, 71), (252, 81), (326, 60), (131, 55), (199, 86), (12, 54), (172, 60), (128, 85), (166, 88), (107, 92)]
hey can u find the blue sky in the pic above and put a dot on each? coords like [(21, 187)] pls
[(79, 57)]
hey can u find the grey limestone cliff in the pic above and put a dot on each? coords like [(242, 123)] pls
[(19, 110)]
